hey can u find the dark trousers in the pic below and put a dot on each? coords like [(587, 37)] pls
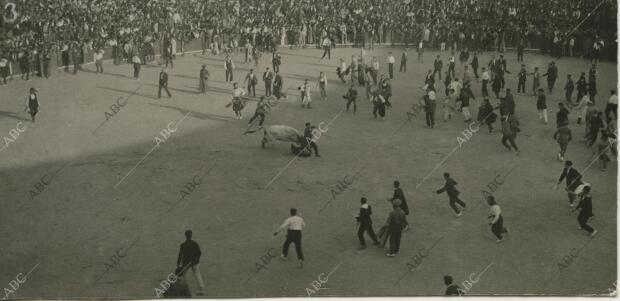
[(455, 200), (521, 86), (165, 87), (276, 67), (229, 74), (592, 136), (46, 68), (611, 108), (293, 236), (251, 89), (476, 73), (366, 228), (258, 115), (313, 146), (391, 70), (550, 84), (430, 118), (569, 99), (403, 66), (438, 72), (267, 89), (395, 235), (583, 221), (498, 228), (510, 139), (379, 108), (451, 70), (354, 101), (519, 56), (326, 51), (136, 70)]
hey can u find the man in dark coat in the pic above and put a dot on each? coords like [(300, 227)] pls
[(450, 188), (585, 204), (399, 194), (365, 224), (573, 180), (189, 257), (396, 223), (552, 75), (163, 83)]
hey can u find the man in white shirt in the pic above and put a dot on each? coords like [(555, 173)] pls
[(326, 48), (293, 226), (98, 58), (391, 60)]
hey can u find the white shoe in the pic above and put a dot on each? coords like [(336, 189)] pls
[(459, 214), (282, 256), (579, 228), (594, 233), (499, 240)]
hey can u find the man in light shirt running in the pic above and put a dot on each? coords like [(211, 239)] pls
[(293, 226)]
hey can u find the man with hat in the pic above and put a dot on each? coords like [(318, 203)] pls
[(396, 223)]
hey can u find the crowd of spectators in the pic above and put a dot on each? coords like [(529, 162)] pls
[(69, 28)]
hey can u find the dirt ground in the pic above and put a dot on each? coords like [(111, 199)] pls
[(73, 198)]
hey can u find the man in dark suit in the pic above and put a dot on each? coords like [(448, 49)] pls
[(438, 65), (573, 180), (163, 83), (399, 194), (365, 224), (251, 80), (585, 204), (396, 223), (277, 85), (453, 193), (189, 256), (268, 79)]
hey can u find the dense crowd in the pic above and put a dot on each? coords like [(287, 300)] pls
[(42, 27)]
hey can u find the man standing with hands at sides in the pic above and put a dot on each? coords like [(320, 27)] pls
[(497, 221), (326, 44), (351, 97), (365, 224), (163, 83), (573, 180), (293, 226), (585, 204), (552, 75), (453, 194), (569, 88), (437, 66), (391, 61), (229, 66), (396, 223), (452, 65), (403, 62), (399, 194), (522, 76), (475, 64), (251, 79), (277, 85), (189, 257), (204, 76), (268, 79)]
